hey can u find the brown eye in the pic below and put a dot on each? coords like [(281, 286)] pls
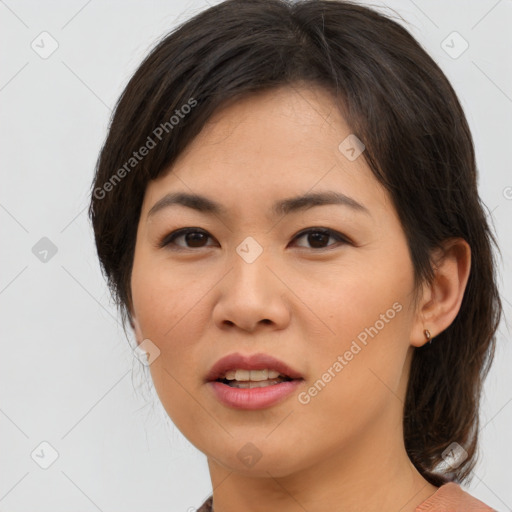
[(319, 238), (193, 238)]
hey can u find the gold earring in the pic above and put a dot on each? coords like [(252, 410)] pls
[(428, 335)]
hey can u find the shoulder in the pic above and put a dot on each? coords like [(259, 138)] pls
[(450, 497)]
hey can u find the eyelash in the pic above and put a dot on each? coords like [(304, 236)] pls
[(168, 239)]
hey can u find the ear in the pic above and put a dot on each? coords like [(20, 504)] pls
[(136, 328), (440, 301)]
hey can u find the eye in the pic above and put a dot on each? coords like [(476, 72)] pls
[(318, 237), (195, 237)]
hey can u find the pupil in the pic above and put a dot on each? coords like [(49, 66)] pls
[(317, 237), (194, 239)]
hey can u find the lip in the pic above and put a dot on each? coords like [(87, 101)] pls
[(253, 398), (259, 361)]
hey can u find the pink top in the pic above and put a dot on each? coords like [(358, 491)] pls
[(450, 497)]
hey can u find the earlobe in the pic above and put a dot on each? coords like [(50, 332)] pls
[(441, 299)]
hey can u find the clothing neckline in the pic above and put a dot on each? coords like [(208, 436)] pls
[(451, 496), (448, 489), (435, 495)]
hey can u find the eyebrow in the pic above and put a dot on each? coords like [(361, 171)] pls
[(283, 207)]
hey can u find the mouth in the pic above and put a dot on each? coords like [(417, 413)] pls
[(248, 379), (257, 381), (253, 371)]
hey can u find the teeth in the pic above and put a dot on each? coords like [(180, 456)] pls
[(251, 375), (236, 384)]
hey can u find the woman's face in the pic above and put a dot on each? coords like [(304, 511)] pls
[(335, 307)]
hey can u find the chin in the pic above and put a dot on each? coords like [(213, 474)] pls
[(256, 460)]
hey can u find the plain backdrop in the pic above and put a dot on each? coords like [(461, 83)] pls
[(68, 376)]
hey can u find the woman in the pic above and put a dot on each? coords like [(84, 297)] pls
[(287, 213)]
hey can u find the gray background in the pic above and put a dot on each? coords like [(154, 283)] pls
[(68, 374)]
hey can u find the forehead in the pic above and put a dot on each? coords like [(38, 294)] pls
[(272, 126), (266, 146)]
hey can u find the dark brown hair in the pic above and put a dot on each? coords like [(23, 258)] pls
[(418, 145)]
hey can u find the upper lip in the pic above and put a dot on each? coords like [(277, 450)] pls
[(250, 362)]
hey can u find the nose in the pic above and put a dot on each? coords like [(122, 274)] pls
[(251, 297)]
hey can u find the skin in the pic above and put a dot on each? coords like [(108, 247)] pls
[(303, 303)]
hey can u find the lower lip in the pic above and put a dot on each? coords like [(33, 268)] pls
[(255, 398)]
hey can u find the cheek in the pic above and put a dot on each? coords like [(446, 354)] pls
[(369, 310), (356, 380), (165, 298), (369, 302), (168, 310)]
